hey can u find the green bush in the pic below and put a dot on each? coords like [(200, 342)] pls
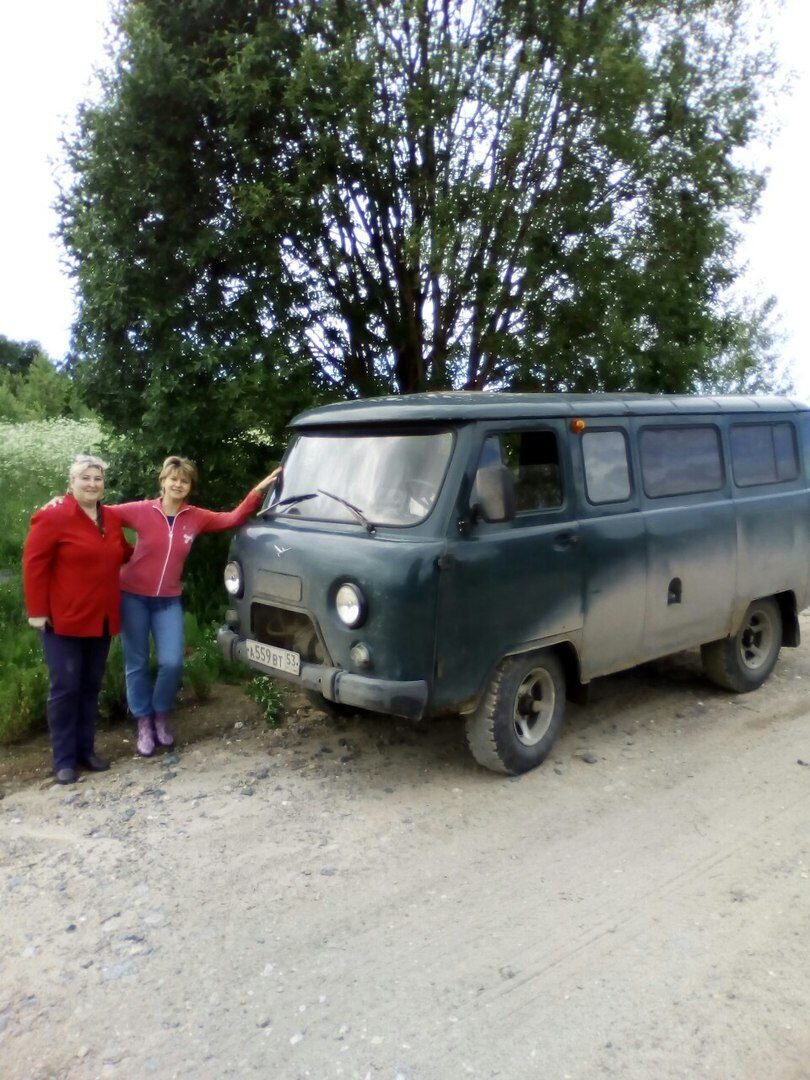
[(204, 664), (268, 697), (34, 460), (112, 700), (24, 679)]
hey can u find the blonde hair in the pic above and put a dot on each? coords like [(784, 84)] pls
[(82, 462), (183, 465)]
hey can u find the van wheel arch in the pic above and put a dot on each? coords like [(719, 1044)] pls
[(744, 661), (520, 714)]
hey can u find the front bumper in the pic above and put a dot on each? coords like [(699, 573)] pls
[(407, 699)]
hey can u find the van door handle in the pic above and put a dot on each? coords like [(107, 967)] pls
[(566, 540)]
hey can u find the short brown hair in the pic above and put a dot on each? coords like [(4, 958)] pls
[(183, 465)]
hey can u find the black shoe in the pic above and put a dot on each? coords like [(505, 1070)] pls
[(94, 763), (66, 776)]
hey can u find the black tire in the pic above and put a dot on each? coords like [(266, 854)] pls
[(514, 727), (743, 662)]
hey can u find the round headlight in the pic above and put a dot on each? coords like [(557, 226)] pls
[(233, 578), (351, 607)]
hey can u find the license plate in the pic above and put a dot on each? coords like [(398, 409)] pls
[(270, 656)]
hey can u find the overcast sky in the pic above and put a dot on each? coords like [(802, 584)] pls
[(48, 51)]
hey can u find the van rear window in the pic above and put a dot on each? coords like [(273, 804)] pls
[(607, 473), (680, 460), (763, 453)]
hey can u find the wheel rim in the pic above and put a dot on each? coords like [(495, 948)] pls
[(756, 640), (534, 707)]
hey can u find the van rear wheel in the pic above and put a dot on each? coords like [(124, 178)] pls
[(743, 662), (514, 727)]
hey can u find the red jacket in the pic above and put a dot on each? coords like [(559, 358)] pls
[(71, 569), (162, 549)]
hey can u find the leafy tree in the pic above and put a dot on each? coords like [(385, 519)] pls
[(273, 203), (16, 357), (36, 389)]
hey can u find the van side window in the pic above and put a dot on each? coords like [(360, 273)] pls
[(534, 461), (763, 453), (680, 460), (607, 471)]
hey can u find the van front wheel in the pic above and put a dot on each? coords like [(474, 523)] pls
[(743, 662), (514, 727)]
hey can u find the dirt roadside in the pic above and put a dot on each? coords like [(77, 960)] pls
[(356, 898)]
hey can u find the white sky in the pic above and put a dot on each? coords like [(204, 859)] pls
[(47, 53)]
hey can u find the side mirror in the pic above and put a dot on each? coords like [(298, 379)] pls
[(493, 494)]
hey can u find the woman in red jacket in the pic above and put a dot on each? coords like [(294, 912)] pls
[(71, 563), (150, 590)]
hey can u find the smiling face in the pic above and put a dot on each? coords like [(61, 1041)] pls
[(176, 485), (87, 486)]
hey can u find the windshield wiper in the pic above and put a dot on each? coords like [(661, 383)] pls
[(287, 503), (370, 527)]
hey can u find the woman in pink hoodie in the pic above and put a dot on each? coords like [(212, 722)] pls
[(150, 590)]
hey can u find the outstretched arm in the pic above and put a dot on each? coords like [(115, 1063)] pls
[(212, 521), (264, 485)]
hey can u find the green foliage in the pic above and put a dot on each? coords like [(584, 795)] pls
[(24, 679), (32, 387), (34, 460), (268, 697), (204, 664), (271, 204), (112, 699), (17, 356)]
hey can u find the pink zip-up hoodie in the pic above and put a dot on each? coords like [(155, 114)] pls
[(162, 549)]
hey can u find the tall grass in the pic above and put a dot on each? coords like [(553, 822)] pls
[(34, 460)]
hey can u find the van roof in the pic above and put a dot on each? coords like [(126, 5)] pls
[(465, 405)]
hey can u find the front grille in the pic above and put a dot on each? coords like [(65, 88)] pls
[(287, 630)]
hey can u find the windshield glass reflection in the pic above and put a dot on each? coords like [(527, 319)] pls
[(387, 479)]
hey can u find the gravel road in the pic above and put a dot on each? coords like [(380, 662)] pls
[(356, 898)]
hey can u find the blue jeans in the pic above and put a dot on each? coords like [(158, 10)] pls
[(162, 618), (76, 668)]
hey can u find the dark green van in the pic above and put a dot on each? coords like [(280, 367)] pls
[(488, 555)]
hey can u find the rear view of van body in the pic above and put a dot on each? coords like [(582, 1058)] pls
[(488, 555)]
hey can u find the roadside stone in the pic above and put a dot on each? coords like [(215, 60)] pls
[(588, 757), (248, 790)]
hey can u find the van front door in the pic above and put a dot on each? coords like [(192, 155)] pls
[(509, 586)]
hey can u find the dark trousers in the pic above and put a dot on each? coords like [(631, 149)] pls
[(76, 668)]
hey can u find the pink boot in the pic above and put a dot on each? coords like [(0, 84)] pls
[(146, 736), (163, 733)]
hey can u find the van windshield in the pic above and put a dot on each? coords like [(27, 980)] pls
[(375, 478)]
